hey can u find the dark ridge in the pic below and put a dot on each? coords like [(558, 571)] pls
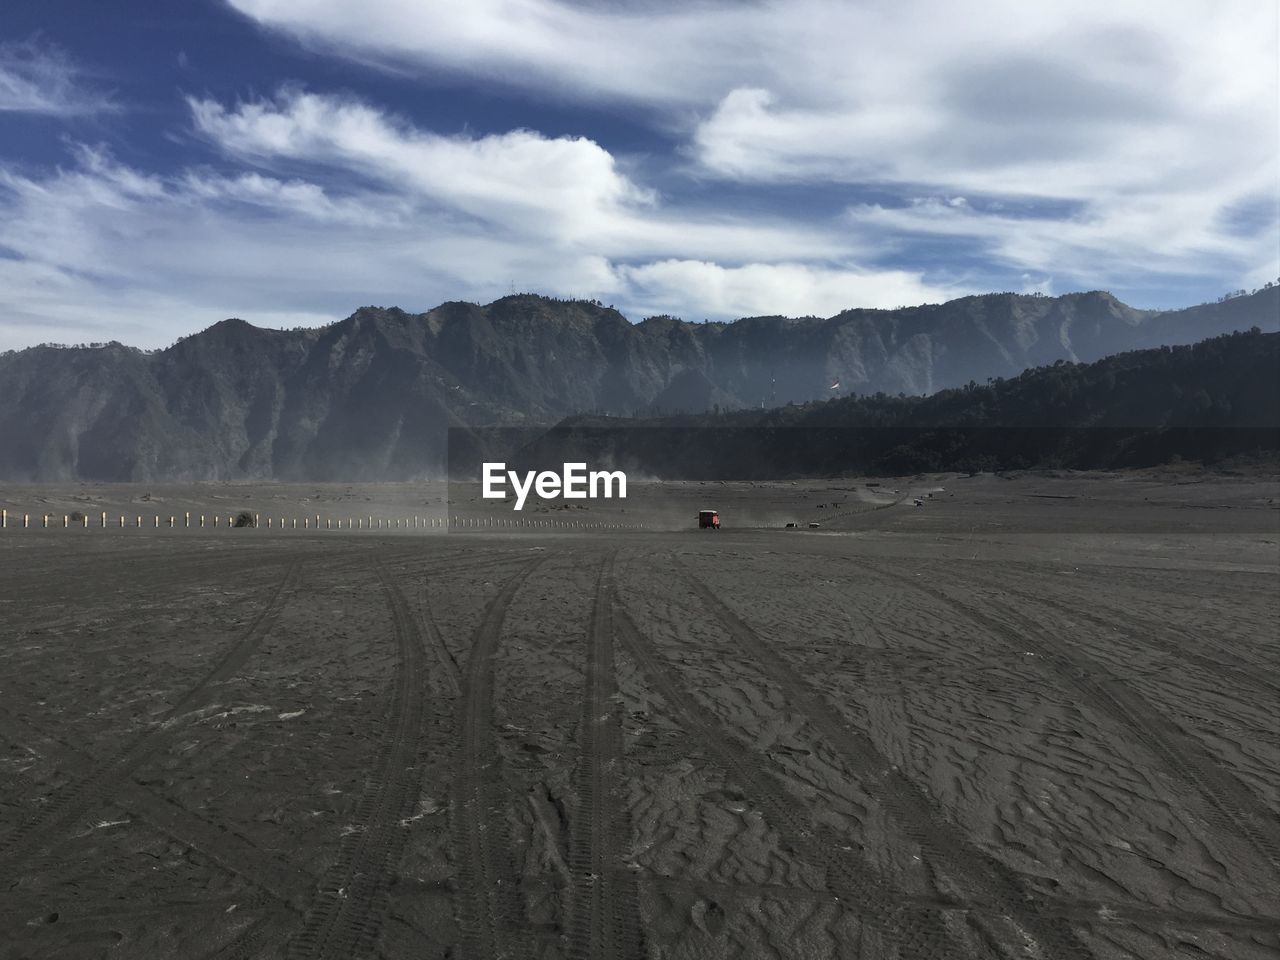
[(371, 397)]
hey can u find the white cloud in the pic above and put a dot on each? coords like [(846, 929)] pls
[(1085, 144), (566, 191), (43, 303), (1143, 129), (815, 53), (525, 181), (101, 251), (747, 138), (764, 289), (652, 52), (1096, 245), (39, 79), (297, 198), (111, 251), (1132, 116), (1063, 100)]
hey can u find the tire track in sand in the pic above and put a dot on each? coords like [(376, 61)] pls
[(490, 906), (917, 932), (254, 940), (604, 916), (347, 914), (1084, 911), (1030, 926), (101, 785), (123, 611), (450, 677), (265, 875), (1215, 657), (1230, 806)]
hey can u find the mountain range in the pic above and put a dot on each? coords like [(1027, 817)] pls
[(370, 397), (1210, 402)]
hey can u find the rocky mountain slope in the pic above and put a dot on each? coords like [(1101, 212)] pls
[(1209, 402), (370, 397)]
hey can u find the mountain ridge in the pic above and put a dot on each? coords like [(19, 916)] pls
[(1214, 401), (371, 396)]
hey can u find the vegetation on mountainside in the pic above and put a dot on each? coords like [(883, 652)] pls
[(1209, 402)]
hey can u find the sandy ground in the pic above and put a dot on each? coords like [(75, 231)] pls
[(1035, 717)]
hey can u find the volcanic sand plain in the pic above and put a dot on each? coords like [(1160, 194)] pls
[(1035, 716)]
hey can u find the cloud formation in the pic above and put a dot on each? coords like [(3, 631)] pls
[(337, 203), (652, 52), (37, 78), (764, 289), (527, 182), (1152, 123), (807, 156)]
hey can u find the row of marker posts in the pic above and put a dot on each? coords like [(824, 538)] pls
[(352, 523)]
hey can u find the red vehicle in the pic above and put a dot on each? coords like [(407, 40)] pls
[(708, 520)]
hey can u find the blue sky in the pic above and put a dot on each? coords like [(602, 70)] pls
[(166, 164)]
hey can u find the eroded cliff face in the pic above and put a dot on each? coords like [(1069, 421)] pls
[(371, 397)]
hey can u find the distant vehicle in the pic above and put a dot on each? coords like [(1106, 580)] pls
[(919, 502), (814, 524), (708, 520)]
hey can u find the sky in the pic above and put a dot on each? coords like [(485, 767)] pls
[(167, 164)]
